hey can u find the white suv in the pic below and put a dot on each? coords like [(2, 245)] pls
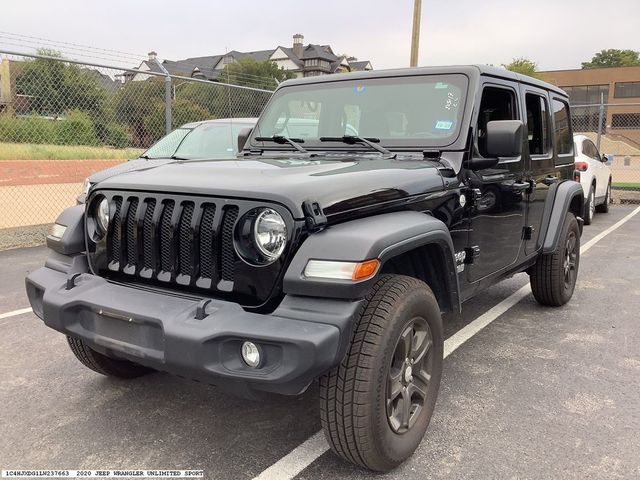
[(594, 175)]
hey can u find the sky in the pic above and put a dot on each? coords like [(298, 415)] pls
[(557, 34)]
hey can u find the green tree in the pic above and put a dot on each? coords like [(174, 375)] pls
[(613, 58), (251, 73), (523, 66), (55, 87), (140, 106)]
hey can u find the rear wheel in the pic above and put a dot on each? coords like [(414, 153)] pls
[(104, 365), (376, 405), (554, 275), (590, 207), (604, 208)]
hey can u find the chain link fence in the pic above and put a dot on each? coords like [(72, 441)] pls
[(615, 129), (62, 120)]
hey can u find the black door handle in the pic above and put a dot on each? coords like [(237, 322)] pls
[(550, 180)]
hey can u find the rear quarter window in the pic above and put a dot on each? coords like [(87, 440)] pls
[(562, 128)]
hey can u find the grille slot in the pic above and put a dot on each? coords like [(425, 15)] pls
[(116, 241), (228, 254), (166, 237), (186, 266), (132, 234), (207, 239), (147, 235)]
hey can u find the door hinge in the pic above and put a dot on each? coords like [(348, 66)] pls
[(527, 232), (471, 253)]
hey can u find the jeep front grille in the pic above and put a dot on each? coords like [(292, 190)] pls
[(182, 242)]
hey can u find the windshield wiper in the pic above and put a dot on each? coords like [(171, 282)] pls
[(280, 139), (353, 139)]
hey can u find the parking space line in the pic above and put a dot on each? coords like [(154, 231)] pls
[(22, 311), (307, 452), (297, 459)]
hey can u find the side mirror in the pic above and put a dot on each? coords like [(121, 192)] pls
[(605, 158), (243, 136), (504, 138)]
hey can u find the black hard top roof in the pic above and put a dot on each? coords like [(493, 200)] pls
[(470, 70)]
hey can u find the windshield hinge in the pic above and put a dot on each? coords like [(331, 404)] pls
[(434, 154), (313, 215)]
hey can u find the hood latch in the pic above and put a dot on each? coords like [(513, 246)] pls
[(313, 215)]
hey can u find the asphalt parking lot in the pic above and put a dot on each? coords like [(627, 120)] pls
[(538, 393)]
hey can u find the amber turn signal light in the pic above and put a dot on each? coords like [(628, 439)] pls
[(365, 269)]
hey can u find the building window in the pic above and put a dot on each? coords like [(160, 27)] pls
[(587, 94), (627, 90), (311, 63), (561, 128), (625, 120)]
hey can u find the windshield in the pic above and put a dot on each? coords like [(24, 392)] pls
[(418, 111), (205, 141), (166, 146)]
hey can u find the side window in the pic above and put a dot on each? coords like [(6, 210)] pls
[(537, 124), (496, 104), (561, 128), (590, 150)]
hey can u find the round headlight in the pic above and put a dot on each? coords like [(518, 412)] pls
[(102, 215), (260, 236), (270, 234)]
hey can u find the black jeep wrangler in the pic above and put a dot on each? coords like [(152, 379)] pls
[(361, 207)]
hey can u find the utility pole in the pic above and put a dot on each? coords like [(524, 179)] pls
[(415, 34)]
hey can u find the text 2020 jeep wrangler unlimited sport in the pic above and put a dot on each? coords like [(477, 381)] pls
[(360, 207)]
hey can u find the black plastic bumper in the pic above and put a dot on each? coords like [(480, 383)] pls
[(300, 340)]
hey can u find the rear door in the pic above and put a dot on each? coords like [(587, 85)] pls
[(539, 163), (498, 214)]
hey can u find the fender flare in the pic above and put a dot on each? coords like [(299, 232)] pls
[(383, 236), (72, 240), (564, 201)]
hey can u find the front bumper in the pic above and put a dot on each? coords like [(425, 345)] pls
[(303, 338)]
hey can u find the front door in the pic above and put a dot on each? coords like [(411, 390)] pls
[(497, 216)]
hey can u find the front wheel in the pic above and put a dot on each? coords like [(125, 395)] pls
[(376, 405), (553, 277), (102, 364)]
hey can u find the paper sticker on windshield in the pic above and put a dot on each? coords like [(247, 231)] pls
[(440, 86), (443, 125), (359, 89)]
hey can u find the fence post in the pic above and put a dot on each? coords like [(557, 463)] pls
[(167, 98), (600, 117), (167, 104)]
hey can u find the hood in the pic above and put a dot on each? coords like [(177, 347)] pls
[(337, 184), (131, 165)]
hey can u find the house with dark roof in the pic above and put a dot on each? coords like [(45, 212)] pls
[(303, 60)]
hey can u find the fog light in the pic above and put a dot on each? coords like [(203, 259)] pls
[(251, 354)]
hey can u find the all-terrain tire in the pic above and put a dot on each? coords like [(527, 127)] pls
[(552, 284), (354, 396), (104, 365), (604, 207), (590, 207)]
